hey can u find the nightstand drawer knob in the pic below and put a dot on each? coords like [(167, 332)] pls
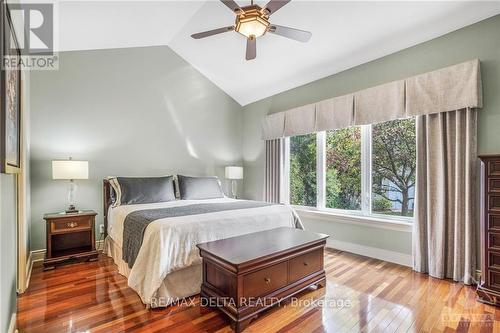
[(71, 224), (268, 280)]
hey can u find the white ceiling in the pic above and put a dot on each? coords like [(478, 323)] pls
[(344, 34)]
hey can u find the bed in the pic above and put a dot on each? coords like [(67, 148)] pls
[(167, 265)]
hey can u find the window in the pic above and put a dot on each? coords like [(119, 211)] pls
[(393, 167), (362, 169), (343, 169), (303, 190)]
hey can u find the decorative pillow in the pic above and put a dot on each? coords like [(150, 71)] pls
[(115, 192), (196, 188), (131, 190)]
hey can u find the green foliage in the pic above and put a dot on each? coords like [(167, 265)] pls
[(303, 170), (393, 168), (380, 204), (343, 165)]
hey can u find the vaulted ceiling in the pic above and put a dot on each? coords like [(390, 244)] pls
[(344, 34)]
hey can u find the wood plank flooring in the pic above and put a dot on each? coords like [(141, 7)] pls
[(362, 295)]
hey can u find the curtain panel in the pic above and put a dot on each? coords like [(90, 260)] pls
[(445, 215), (273, 170)]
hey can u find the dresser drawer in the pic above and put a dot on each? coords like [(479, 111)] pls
[(494, 279), (494, 222), (494, 241), (305, 264), (494, 185), (494, 202), (494, 260), (71, 224), (493, 168), (265, 280)]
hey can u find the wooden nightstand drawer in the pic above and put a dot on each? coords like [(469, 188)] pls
[(69, 237), (77, 223)]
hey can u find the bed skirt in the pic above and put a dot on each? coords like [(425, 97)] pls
[(176, 285)]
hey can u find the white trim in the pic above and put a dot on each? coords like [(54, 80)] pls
[(320, 170), (37, 256), (478, 276), (12, 324), (372, 252), (285, 179), (366, 169), (366, 221)]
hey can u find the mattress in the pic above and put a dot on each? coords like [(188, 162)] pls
[(168, 266)]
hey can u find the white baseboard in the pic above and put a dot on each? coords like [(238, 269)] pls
[(372, 252), (12, 324), (39, 255)]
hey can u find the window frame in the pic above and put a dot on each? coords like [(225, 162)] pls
[(366, 180)]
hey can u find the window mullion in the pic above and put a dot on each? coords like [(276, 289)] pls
[(285, 178), (366, 166), (320, 169)]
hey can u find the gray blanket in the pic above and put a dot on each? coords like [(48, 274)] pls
[(136, 222)]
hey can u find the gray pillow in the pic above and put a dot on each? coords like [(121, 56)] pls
[(145, 190), (196, 188)]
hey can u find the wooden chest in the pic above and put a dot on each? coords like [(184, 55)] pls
[(244, 275)]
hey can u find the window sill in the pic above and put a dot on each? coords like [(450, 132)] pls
[(353, 219)]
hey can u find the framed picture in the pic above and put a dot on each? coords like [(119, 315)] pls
[(10, 99)]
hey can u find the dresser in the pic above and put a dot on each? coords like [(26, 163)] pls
[(69, 237), (488, 288), (244, 275)]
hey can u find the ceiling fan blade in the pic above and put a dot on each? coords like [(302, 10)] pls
[(273, 5), (211, 32), (251, 48), (231, 5), (296, 34)]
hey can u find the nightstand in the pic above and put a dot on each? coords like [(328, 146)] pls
[(69, 237)]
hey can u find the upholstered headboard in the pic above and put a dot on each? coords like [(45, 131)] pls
[(107, 202)]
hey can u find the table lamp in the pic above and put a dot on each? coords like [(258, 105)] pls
[(70, 170), (233, 173)]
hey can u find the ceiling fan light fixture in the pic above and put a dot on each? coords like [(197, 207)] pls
[(252, 24)]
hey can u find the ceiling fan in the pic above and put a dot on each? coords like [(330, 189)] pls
[(253, 21)]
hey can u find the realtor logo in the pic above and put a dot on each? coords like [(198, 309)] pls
[(33, 48), (37, 36)]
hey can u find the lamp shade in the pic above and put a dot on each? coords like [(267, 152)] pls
[(70, 169), (234, 172)]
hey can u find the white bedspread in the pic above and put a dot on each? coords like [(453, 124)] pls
[(170, 244)]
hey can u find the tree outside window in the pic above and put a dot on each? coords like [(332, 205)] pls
[(393, 167), (343, 168), (391, 160), (303, 170)]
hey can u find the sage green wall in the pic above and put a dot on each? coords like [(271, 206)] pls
[(480, 40), (129, 112), (8, 250)]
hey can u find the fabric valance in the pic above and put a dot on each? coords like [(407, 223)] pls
[(448, 89), (301, 120), (335, 113), (381, 103), (451, 88), (273, 126)]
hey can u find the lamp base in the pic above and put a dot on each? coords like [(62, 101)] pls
[(71, 210)]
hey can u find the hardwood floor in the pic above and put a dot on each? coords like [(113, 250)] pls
[(362, 295)]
